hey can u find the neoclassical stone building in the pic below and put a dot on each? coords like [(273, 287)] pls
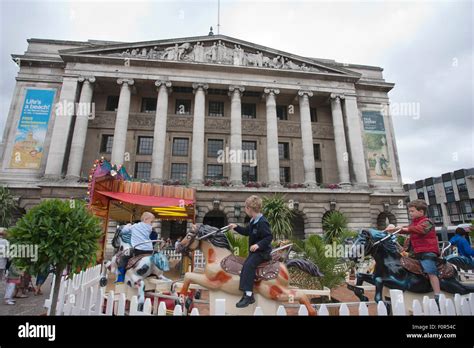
[(165, 109)]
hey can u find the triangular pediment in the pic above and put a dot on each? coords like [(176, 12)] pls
[(214, 49)]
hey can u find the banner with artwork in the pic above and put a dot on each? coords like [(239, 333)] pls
[(32, 128), (376, 147)]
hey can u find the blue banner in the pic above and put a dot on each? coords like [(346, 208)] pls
[(32, 128)]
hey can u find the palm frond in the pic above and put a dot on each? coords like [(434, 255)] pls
[(278, 213), (238, 243)]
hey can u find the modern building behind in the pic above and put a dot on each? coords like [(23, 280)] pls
[(450, 198), (165, 108)]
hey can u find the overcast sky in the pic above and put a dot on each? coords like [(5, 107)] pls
[(425, 48)]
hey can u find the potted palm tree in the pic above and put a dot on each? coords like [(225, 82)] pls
[(279, 214)]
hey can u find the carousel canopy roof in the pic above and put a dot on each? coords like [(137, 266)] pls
[(113, 195), (149, 201), (129, 206)]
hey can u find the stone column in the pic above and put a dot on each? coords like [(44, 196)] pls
[(121, 122), (307, 138), (62, 124), (197, 152), (342, 156), (273, 158), (236, 133), (80, 128), (159, 134), (355, 139)]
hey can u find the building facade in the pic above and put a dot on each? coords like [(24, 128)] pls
[(230, 117), (450, 199)]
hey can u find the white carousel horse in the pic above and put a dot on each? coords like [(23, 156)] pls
[(139, 267)]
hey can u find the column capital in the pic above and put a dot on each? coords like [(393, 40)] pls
[(303, 92), (90, 79), (129, 82), (271, 91), (337, 96), (199, 85), (159, 83), (235, 88)]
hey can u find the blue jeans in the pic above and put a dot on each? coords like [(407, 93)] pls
[(428, 262)]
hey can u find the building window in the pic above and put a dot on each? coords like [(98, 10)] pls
[(249, 173), (183, 107), (214, 91), (106, 143), (319, 175), (453, 211), (317, 152), (284, 151), (215, 171), (284, 175), (249, 110), (252, 94), (435, 213), (462, 188), (143, 170), (179, 171), (448, 189), (313, 114), (180, 146), (431, 194), (420, 193), (282, 112), (249, 145), (213, 147), (148, 104), (249, 151), (112, 103), (466, 209), (216, 108), (179, 89), (145, 146)]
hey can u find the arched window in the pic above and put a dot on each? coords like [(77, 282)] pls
[(384, 219), (297, 223), (215, 218)]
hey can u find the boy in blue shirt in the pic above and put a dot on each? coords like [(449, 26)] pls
[(260, 247)]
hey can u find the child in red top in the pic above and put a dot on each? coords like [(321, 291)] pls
[(423, 241)]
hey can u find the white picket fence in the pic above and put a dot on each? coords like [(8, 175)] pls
[(78, 294), (82, 295)]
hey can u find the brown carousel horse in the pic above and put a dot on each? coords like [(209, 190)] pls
[(223, 267)]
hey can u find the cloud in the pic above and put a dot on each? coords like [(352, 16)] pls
[(424, 47)]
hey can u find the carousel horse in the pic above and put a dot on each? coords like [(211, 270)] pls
[(122, 240), (463, 262), (396, 271), (138, 267), (223, 267)]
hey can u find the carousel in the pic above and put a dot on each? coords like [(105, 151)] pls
[(113, 195)]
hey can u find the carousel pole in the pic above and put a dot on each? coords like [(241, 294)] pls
[(192, 254), (106, 230)]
